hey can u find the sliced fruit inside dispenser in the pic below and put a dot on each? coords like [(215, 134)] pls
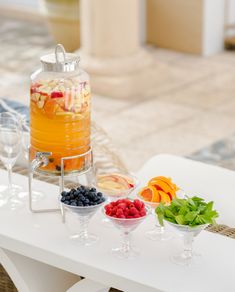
[(60, 122)]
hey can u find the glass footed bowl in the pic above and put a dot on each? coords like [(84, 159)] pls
[(187, 257), (158, 232), (126, 226), (84, 215)]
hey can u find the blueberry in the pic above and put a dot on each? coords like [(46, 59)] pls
[(80, 204), (82, 198), (63, 199), (103, 199), (73, 203), (93, 190), (66, 202), (72, 197), (87, 201), (99, 194), (51, 159), (86, 205), (58, 168), (63, 194)]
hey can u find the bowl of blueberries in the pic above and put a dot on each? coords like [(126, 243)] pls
[(83, 201)]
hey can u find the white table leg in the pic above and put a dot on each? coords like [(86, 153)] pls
[(87, 285), (32, 276)]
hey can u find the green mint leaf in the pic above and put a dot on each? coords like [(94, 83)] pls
[(180, 219)]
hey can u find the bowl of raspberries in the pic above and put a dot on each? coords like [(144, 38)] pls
[(126, 213)]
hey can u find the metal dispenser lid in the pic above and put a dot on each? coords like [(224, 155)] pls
[(60, 61)]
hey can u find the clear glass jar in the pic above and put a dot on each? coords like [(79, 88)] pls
[(60, 112)]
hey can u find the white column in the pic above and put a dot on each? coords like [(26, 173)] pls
[(111, 44)]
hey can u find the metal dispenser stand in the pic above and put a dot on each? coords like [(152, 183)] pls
[(41, 160)]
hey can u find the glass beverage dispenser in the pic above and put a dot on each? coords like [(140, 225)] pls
[(60, 113), (60, 121)]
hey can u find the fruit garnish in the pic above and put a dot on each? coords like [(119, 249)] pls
[(82, 197), (57, 94), (150, 194), (50, 108), (159, 189), (189, 211), (114, 182), (125, 209)]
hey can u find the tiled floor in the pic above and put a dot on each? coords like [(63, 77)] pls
[(189, 106)]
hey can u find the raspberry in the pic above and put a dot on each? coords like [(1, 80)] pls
[(107, 207), (137, 216), (138, 204), (109, 212), (122, 206), (126, 212), (133, 211), (142, 213), (121, 216), (119, 212)]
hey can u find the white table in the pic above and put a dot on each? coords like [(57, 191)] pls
[(37, 253)]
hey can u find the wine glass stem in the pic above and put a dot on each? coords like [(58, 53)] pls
[(159, 227), (188, 245), (84, 226), (9, 170), (126, 244)]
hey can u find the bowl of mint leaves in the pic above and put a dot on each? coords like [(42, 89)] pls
[(190, 212)]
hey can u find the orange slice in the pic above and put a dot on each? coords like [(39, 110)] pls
[(168, 180), (50, 108), (150, 194), (162, 186), (165, 198)]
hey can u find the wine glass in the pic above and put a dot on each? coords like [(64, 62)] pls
[(189, 233), (159, 232), (36, 195), (126, 226), (84, 215), (10, 146)]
